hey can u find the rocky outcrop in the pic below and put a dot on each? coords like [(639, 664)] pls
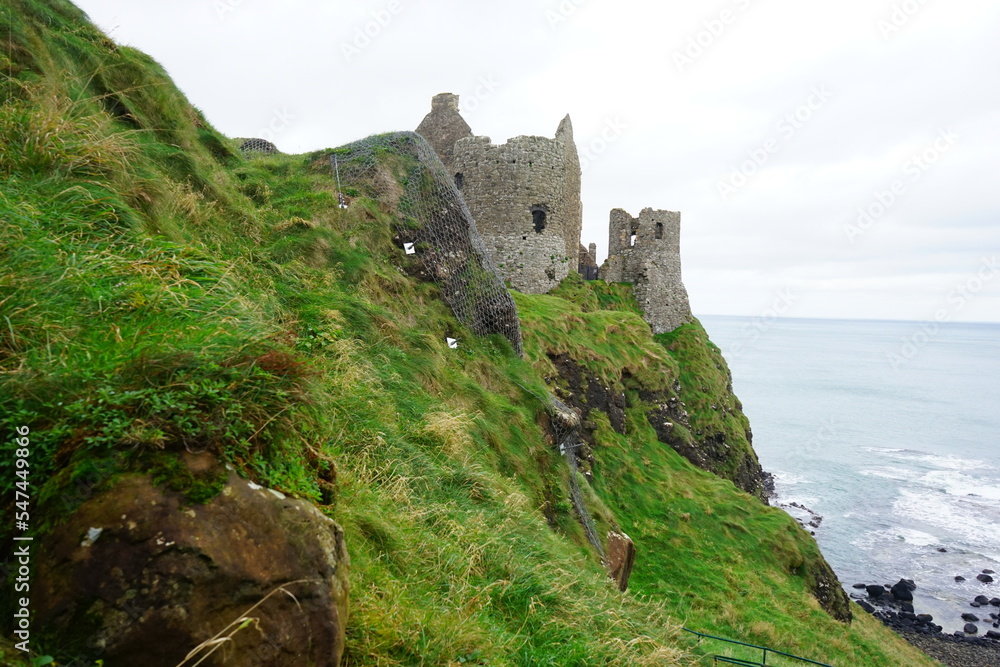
[(826, 588), (620, 558), (137, 576)]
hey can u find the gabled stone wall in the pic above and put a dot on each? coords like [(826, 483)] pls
[(443, 126)]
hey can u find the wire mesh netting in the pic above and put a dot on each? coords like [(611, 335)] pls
[(566, 427), (433, 223), (257, 147)]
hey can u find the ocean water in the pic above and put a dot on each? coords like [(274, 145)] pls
[(891, 432)]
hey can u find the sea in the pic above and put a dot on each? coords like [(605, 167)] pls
[(888, 430)]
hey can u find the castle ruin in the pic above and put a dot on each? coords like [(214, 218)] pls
[(524, 195), (443, 127), (646, 251)]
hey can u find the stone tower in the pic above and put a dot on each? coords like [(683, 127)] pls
[(524, 195), (646, 252), (443, 126)]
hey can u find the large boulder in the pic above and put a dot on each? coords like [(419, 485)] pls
[(137, 576), (902, 591), (620, 558), (875, 590)]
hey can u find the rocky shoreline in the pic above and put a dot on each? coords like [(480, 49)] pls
[(893, 606), (976, 645)]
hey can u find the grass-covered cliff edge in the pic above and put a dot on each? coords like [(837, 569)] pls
[(167, 308)]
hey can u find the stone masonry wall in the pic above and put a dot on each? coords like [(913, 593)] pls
[(443, 126), (525, 198), (524, 195), (645, 251)]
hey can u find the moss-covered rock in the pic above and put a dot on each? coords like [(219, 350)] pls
[(137, 576)]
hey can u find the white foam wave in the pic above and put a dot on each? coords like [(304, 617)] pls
[(893, 536), (886, 473), (958, 484), (788, 478), (971, 520), (949, 462), (943, 461)]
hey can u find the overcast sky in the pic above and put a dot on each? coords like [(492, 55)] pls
[(829, 159)]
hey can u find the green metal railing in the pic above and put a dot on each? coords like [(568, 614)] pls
[(765, 649), (734, 661)]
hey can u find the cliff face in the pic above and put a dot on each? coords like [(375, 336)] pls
[(231, 382)]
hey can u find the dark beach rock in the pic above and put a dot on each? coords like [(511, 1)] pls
[(858, 586), (959, 578), (970, 629), (988, 572), (993, 634), (975, 604), (907, 607), (995, 602), (942, 550), (768, 480), (925, 618), (875, 590), (985, 578), (972, 618), (982, 600), (867, 607), (901, 591)]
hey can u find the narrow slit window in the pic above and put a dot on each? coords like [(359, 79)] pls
[(631, 240), (659, 230), (459, 180)]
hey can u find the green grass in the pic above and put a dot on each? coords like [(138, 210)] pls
[(159, 293)]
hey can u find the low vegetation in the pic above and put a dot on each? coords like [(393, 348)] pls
[(159, 292)]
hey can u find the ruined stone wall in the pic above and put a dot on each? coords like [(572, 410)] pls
[(645, 251), (443, 126), (525, 198), (524, 195), (434, 221), (588, 267)]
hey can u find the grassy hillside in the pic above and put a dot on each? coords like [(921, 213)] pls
[(159, 293)]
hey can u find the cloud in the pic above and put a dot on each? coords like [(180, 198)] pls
[(346, 70)]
